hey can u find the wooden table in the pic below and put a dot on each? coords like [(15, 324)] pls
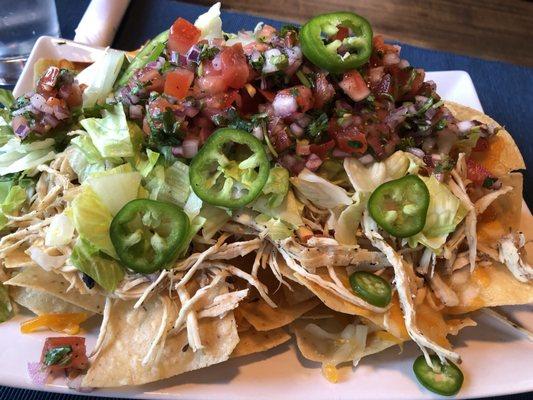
[(491, 29)]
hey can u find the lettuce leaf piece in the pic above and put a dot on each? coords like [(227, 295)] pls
[(116, 187), (319, 191), (6, 308), (193, 206), (92, 220), (12, 197), (100, 76), (147, 162), (110, 134), (6, 98), (276, 228), (289, 211), (210, 23), (215, 218), (60, 231), (277, 186), (349, 219), (16, 156), (105, 271), (367, 179), (196, 224), (170, 184), (445, 212)]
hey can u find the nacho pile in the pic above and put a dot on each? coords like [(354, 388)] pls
[(220, 194)]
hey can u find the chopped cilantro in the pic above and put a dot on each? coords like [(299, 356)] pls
[(258, 63), (445, 165), (285, 29), (355, 144), (280, 62), (318, 126), (58, 356), (489, 182), (439, 126), (405, 143), (208, 53)]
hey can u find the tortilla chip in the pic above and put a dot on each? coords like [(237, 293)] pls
[(16, 258), (265, 318), (42, 65), (40, 302), (504, 214), (321, 350), (252, 341), (55, 285), (503, 155), (129, 336), (488, 286)]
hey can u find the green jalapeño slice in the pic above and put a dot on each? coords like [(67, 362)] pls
[(148, 234), (337, 42), (371, 288), (400, 206), (230, 169), (445, 379)]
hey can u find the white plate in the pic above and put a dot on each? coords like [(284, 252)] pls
[(496, 360)]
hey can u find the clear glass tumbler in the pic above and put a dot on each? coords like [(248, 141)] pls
[(21, 24)]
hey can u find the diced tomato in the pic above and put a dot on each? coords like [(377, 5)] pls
[(255, 46), (303, 95), (267, 94), (183, 35), (341, 34), (324, 91), (482, 144), (322, 149), (278, 135), (476, 172), (354, 86), (235, 69), (348, 139), (216, 103), (48, 81), (78, 357), (151, 79), (178, 82), (266, 33)]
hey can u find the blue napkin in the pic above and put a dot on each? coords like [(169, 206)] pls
[(505, 91)]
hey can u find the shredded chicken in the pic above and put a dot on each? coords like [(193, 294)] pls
[(509, 248)]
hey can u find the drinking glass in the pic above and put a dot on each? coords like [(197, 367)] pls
[(21, 24)]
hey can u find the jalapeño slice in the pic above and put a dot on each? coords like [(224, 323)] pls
[(445, 380), (230, 169), (337, 42), (400, 206), (371, 288), (148, 234)]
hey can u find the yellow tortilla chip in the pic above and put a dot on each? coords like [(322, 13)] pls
[(42, 65), (130, 333), (40, 302), (55, 285), (503, 155), (17, 258), (488, 286), (252, 341)]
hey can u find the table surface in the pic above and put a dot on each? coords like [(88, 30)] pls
[(506, 91)]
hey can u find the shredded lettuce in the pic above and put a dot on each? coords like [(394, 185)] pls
[(116, 187), (289, 211), (445, 212), (16, 156), (110, 134), (277, 186), (6, 309), (170, 184), (60, 231), (366, 179), (319, 191), (276, 228), (215, 218), (146, 164), (196, 224), (193, 205), (210, 23), (92, 220), (105, 271), (6, 97), (100, 76), (12, 197), (349, 219)]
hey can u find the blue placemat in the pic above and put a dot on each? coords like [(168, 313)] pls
[(505, 90)]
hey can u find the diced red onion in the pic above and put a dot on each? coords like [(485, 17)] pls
[(177, 151), (296, 129), (191, 111), (366, 159), (65, 91), (436, 157), (403, 64), (339, 153), (428, 144), (303, 148), (133, 98), (416, 151), (304, 120), (37, 374), (439, 177), (174, 57), (136, 112), (258, 133), (313, 162), (22, 110), (217, 62), (39, 102), (430, 113), (20, 126), (421, 100), (391, 59), (50, 120), (193, 55), (411, 108), (465, 126), (61, 113), (190, 147), (284, 105)]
